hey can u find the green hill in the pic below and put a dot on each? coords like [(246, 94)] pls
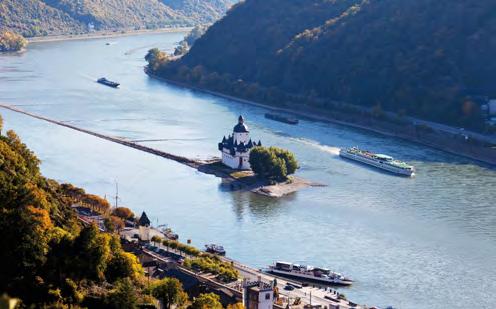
[(46, 17), (424, 58)]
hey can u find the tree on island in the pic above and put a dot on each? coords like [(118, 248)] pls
[(272, 163)]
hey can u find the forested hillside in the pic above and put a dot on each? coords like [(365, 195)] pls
[(199, 10), (48, 259), (45, 17), (423, 58)]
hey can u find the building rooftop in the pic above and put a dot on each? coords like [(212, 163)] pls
[(143, 220), (241, 126)]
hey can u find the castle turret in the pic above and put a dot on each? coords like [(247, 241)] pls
[(236, 148), (240, 131)]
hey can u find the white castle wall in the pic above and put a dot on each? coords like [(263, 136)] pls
[(241, 137), (233, 161)]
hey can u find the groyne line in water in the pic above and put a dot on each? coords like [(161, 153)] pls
[(183, 160)]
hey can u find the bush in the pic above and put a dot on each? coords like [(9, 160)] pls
[(207, 263), (207, 301), (273, 162), (174, 244)]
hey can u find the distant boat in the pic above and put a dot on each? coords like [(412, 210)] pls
[(281, 118), (107, 82), (215, 249)]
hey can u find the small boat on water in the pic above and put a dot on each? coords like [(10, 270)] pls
[(381, 161), (107, 82), (308, 273), (282, 118), (169, 234), (215, 249)]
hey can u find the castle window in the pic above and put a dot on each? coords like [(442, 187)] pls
[(267, 296)]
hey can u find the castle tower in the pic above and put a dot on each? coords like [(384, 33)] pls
[(236, 148), (241, 133)]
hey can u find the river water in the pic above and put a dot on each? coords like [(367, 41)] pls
[(426, 242)]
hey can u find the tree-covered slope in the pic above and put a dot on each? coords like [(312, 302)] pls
[(48, 259), (199, 10), (421, 57), (42, 17), (34, 17)]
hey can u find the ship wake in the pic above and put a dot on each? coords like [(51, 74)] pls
[(319, 146)]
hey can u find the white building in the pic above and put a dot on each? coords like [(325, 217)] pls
[(236, 148), (144, 227), (258, 294)]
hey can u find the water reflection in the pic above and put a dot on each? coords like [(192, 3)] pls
[(259, 206)]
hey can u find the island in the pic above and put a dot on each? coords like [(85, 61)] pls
[(247, 165), (12, 42)]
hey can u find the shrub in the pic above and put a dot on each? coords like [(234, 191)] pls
[(273, 162)]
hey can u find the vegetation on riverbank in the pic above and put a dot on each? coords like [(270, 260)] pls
[(11, 42), (314, 55), (55, 17), (184, 46), (202, 261), (212, 264)]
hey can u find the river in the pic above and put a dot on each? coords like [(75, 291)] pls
[(425, 242)]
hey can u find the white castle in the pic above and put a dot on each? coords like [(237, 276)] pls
[(236, 148)]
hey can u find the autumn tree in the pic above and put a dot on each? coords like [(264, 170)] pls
[(114, 224), (123, 212), (170, 292), (10, 41), (155, 239), (236, 306), (155, 58), (207, 301)]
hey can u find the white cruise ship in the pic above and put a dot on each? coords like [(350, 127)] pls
[(308, 273), (381, 161)]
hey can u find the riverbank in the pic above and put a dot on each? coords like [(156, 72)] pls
[(235, 180), (104, 34), (421, 133)]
